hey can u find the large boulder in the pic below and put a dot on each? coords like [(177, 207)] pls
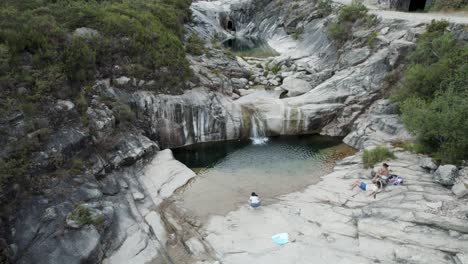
[(295, 86), (101, 121), (428, 164), (446, 175), (164, 175), (460, 189)]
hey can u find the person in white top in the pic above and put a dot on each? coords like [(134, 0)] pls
[(254, 200), (373, 188)]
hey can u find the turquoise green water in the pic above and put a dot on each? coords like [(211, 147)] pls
[(229, 172), (250, 47)]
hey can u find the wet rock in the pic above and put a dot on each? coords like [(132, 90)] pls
[(170, 119), (446, 175)]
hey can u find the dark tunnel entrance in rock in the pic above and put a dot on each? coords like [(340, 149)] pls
[(417, 5), (230, 26)]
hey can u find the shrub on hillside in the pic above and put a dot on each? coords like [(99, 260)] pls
[(441, 124), (349, 16), (449, 4), (434, 99), (195, 45), (324, 7), (376, 155)]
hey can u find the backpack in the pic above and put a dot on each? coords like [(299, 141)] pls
[(395, 180)]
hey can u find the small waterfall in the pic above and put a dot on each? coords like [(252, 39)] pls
[(257, 132)]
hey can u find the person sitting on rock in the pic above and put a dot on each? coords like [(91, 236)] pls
[(382, 174), (373, 188), (254, 200)]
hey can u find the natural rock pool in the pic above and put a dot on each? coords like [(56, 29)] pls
[(229, 171), (249, 47)]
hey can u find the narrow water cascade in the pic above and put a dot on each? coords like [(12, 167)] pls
[(257, 131)]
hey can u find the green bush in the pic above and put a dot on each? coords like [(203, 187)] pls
[(124, 115), (79, 61), (434, 97), (448, 4), (353, 12), (132, 32), (348, 16), (371, 38), (77, 166), (339, 32), (324, 7), (275, 69), (440, 124), (82, 215), (376, 155), (195, 45)]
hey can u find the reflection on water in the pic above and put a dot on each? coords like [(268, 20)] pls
[(229, 172), (249, 47)]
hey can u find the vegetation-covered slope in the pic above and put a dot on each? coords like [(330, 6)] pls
[(43, 58), (434, 95)]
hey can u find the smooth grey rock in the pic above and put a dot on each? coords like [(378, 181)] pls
[(446, 175), (244, 92), (130, 148), (460, 189), (86, 193), (428, 164), (87, 33), (195, 246), (239, 83), (295, 86), (101, 121), (138, 196), (164, 175), (65, 105), (109, 185), (122, 80), (354, 57), (49, 214)]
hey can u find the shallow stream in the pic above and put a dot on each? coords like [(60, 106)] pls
[(229, 171)]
